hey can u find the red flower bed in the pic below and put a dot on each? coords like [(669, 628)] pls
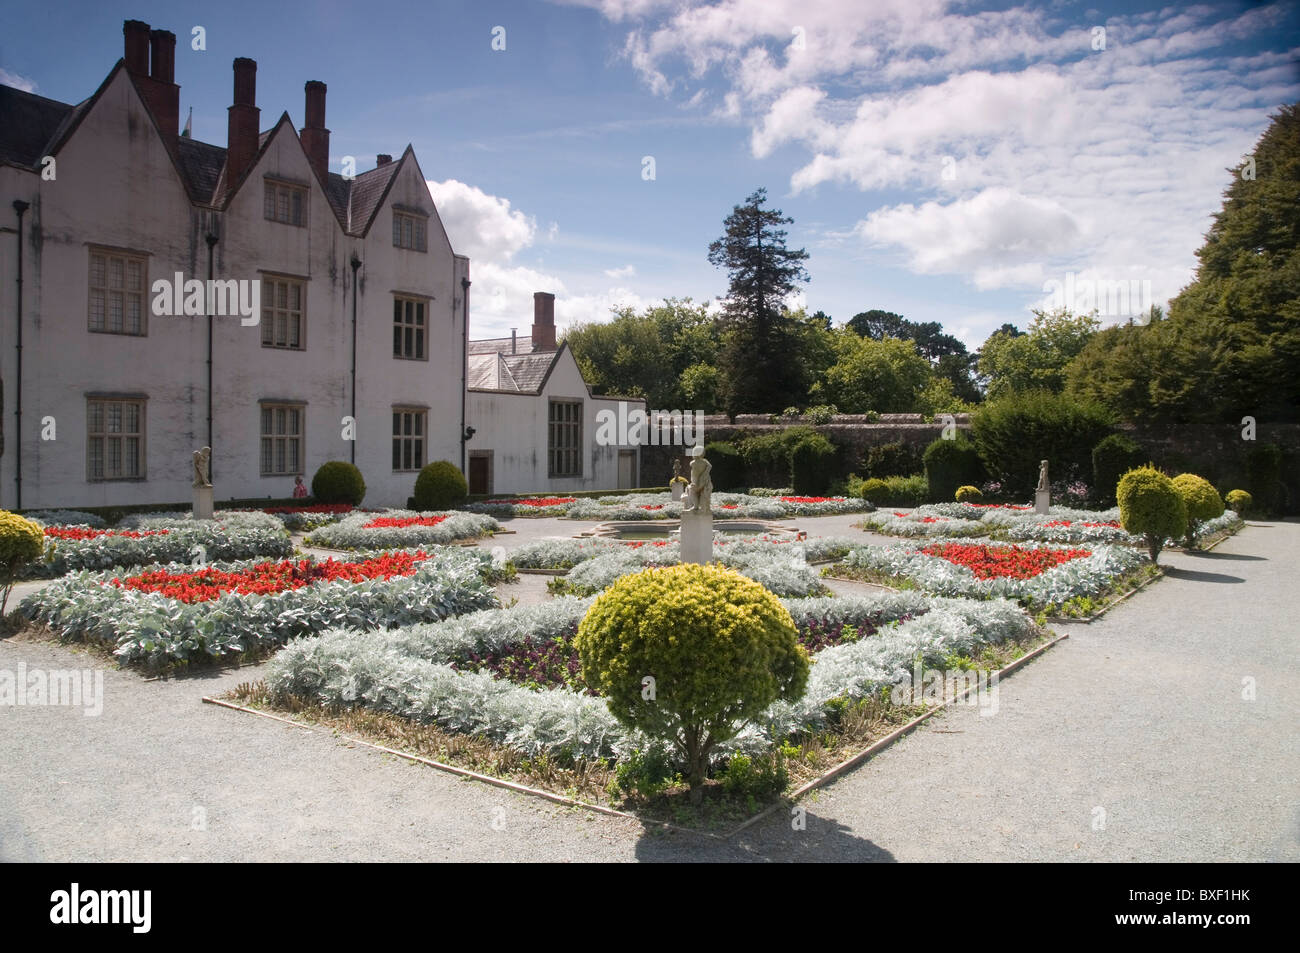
[(658, 506), (811, 499), (638, 543), (993, 562), (730, 506), (537, 501), (401, 522), (999, 506), (267, 578), (74, 532)]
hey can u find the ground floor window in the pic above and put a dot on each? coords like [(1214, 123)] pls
[(409, 426), (282, 428), (564, 440), (115, 439)]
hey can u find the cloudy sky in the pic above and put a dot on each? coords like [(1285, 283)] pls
[(941, 159)]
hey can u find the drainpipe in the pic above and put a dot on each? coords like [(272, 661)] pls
[(211, 239), (356, 264), (464, 365), (20, 207)]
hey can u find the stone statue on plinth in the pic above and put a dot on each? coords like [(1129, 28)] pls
[(202, 484), (1043, 493), (677, 485), (697, 513)]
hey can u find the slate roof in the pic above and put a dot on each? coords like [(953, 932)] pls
[(523, 345), (516, 373), (32, 127)]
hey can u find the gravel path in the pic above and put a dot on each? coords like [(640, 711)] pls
[(1128, 741)]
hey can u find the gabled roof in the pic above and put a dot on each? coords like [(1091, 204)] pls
[(28, 124), (517, 373)]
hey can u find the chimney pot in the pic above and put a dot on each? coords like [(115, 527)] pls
[(245, 81), (315, 112), (382, 159), (242, 122), (513, 344), (135, 44), (315, 137), (162, 52), (543, 321)]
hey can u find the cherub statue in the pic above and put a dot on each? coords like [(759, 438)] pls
[(1042, 476), (201, 458), (699, 492)]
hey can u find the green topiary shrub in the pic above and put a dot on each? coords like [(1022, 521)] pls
[(908, 490), (1239, 501), (812, 460), (728, 469), (338, 482), (969, 494), (876, 492), (440, 486), (1151, 506), (1112, 457), (22, 541), (1202, 501), (1264, 474), (950, 464), (688, 654), (1012, 434)]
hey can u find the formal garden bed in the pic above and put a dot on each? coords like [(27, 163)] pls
[(500, 692), (1072, 581), (392, 529), (158, 539), (171, 616), (661, 506)]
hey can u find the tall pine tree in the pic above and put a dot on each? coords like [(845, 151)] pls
[(759, 367)]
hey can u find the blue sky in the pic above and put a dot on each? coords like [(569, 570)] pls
[(940, 159)]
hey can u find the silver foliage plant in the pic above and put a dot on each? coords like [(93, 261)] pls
[(66, 518), (350, 532), (149, 628)]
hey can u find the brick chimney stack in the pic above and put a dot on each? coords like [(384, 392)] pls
[(315, 137), (242, 122), (543, 321), (150, 57)]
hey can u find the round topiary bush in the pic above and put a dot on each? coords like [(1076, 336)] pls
[(950, 464), (688, 654), (875, 491), (1201, 499), (22, 541), (1150, 505), (1113, 456), (440, 486), (338, 482), (969, 494), (1239, 501)]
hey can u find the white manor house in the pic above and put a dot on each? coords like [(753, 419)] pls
[(344, 335)]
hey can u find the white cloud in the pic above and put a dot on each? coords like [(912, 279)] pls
[(481, 225), (18, 82)]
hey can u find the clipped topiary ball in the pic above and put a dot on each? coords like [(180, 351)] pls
[(22, 541), (1202, 501), (440, 486), (1239, 501), (969, 494), (338, 482), (875, 491), (1151, 506), (688, 654)]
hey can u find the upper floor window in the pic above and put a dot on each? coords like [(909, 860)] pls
[(285, 203), (117, 292), (283, 313), (410, 231), (114, 439), (408, 328)]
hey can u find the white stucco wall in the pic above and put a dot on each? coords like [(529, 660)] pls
[(116, 186), (514, 428)]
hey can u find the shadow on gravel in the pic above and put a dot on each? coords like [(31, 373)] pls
[(819, 840), (1196, 575), (1219, 555)]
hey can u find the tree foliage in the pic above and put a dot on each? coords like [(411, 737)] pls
[(1037, 360)]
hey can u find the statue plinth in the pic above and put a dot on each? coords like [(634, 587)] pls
[(676, 490), (203, 502), (1042, 501), (697, 536)]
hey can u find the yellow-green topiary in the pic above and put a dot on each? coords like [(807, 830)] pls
[(875, 491), (21, 541), (1150, 506), (1239, 501), (969, 494), (1202, 500), (689, 654)]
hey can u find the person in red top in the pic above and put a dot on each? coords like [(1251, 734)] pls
[(299, 490)]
